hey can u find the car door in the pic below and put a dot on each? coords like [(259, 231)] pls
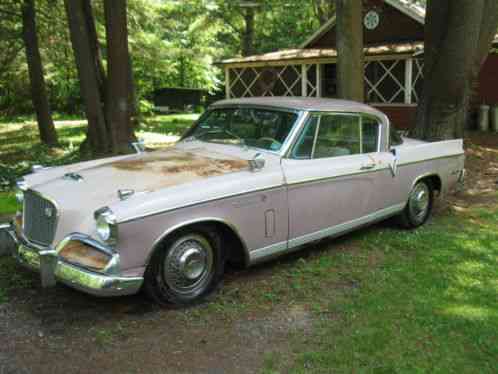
[(330, 175)]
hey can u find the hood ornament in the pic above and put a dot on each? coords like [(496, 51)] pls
[(73, 176)]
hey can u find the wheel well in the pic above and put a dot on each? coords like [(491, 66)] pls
[(236, 250), (435, 182)]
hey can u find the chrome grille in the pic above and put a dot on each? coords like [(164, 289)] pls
[(40, 218)]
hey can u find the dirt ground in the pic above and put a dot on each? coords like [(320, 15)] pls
[(63, 331)]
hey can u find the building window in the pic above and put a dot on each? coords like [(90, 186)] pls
[(385, 81)]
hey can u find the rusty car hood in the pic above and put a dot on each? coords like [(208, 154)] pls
[(147, 172), (174, 176)]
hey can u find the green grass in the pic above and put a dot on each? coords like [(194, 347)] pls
[(420, 301), (8, 204), (20, 147)]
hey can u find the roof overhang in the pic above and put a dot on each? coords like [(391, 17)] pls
[(311, 56)]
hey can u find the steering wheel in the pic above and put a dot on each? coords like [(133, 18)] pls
[(270, 141), (222, 131)]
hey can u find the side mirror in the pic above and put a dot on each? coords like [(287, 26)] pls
[(257, 163), (394, 164), (139, 146)]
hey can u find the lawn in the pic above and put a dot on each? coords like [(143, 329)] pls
[(20, 147)]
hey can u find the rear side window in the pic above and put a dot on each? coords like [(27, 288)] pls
[(338, 134), (370, 129)]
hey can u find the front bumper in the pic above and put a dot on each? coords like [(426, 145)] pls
[(53, 269)]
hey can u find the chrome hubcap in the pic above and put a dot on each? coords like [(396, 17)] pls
[(188, 265), (419, 202)]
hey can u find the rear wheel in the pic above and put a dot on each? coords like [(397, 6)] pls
[(419, 205), (186, 268)]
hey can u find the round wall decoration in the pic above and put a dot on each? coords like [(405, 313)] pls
[(371, 20)]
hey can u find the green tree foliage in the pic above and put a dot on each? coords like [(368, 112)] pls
[(172, 43)]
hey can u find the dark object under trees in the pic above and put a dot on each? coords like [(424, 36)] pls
[(350, 50), (46, 127), (458, 35)]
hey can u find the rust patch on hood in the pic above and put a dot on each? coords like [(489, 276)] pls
[(182, 162)]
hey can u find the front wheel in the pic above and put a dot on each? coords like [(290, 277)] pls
[(419, 205), (186, 268)]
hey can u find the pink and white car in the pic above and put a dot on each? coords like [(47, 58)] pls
[(251, 180)]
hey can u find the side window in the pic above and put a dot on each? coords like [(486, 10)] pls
[(338, 135), (370, 128), (334, 135)]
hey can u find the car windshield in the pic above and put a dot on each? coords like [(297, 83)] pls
[(260, 128)]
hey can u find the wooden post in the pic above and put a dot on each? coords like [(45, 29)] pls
[(408, 80), (319, 80), (304, 80), (227, 82)]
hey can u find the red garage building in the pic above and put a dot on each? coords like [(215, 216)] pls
[(394, 45)]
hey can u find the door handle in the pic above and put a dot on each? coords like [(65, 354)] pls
[(367, 167)]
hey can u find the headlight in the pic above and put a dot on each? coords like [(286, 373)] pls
[(106, 225), (19, 196), (21, 186)]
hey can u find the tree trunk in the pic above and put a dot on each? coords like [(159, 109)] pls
[(119, 74), (97, 136), (248, 37), (350, 50), (458, 35), (95, 46), (46, 127)]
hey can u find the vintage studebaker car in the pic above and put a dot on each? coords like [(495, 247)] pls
[(250, 180)]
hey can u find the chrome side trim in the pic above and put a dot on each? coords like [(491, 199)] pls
[(324, 179), (172, 229), (431, 159), (198, 202), (265, 253)]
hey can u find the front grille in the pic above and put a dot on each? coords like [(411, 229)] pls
[(40, 218)]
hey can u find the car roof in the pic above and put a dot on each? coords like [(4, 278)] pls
[(303, 103)]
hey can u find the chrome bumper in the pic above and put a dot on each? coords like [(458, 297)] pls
[(53, 269)]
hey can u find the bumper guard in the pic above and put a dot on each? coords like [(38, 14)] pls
[(53, 269)]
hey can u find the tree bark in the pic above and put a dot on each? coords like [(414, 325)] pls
[(97, 135), (350, 50), (119, 79), (46, 127), (248, 37), (95, 46), (458, 35)]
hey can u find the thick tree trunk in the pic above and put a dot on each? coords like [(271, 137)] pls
[(46, 127), (350, 50), (97, 136), (119, 74), (457, 41), (95, 45), (248, 37)]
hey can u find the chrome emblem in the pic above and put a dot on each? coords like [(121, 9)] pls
[(49, 212), (73, 176)]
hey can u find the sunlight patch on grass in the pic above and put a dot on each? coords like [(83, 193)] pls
[(471, 312)]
